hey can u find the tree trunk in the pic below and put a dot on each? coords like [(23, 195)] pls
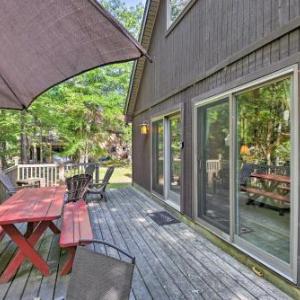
[(23, 139), (3, 163)]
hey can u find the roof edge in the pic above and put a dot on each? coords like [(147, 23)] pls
[(148, 22)]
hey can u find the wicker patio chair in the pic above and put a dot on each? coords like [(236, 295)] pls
[(77, 186), (97, 276), (100, 188)]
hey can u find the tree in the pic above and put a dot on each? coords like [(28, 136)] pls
[(264, 122), (81, 112)]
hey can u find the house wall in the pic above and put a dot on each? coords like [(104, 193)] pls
[(218, 45)]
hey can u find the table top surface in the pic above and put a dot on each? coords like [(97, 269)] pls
[(272, 177), (33, 205)]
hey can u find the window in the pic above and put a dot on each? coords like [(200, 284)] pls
[(175, 7)]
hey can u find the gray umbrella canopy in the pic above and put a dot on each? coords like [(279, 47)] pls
[(43, 43)]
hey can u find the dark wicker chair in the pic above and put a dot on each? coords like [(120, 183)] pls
[(96, 276), (77, 186), (100, 188)]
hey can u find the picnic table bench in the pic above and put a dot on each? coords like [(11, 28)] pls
[(276, 196), (38, 207), (273, 186), (75, 230)]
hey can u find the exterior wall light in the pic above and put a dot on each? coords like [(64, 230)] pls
[(144, 128)]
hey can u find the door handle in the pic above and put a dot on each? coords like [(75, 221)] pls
[(200, 164)]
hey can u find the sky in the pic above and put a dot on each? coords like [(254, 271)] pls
[(134, 2)]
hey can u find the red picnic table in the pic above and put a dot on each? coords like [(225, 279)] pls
[(38, 207)]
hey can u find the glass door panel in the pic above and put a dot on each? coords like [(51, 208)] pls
[(158, 157), (174, 124), (263, 153), (213, 164)]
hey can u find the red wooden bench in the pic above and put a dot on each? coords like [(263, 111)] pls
[(275, 196), (76, 230)]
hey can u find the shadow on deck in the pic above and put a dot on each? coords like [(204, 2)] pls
[(173, 261)]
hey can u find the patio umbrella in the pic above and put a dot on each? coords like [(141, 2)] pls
[(43, 43)]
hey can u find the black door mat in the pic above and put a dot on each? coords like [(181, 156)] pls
[(162, 218)]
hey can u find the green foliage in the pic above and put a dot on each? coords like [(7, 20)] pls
[(263, 124), (177, 6), (10, 131), (82, 112)]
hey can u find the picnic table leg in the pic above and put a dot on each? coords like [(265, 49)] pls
[(2, 235), (30, 228), (54, 228), (67, 267), (25, 250)]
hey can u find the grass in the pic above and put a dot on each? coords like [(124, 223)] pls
[(121, 178)]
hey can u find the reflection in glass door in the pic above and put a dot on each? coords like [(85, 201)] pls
[(158, 157), (174, 158), (263, 151), (213, 164)]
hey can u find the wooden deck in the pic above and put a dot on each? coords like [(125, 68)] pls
[(173, 261)]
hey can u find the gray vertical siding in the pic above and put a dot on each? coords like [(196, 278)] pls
[(211, 32)]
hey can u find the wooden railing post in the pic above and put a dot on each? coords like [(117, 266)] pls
[(61, 173)]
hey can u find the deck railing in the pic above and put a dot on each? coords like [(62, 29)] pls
[(50, 174)]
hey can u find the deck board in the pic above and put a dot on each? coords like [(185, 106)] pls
[(173, 262)]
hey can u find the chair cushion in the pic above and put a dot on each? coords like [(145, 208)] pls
[(96, 276)]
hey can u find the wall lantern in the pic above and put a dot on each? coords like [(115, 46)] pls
[(144, 128)]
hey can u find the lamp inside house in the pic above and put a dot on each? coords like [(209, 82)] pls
[(144, 128), (244, 150)]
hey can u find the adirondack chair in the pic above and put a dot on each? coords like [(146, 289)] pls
[(90, 169), (100, 188), (9, 186), (77, 186), (96, 276), (245, 173), (7, 183)]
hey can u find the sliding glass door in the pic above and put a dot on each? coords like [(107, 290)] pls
[(158, 157), (246, 169), (174, 153), (263, 160), (166, 158), (213, 164)]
